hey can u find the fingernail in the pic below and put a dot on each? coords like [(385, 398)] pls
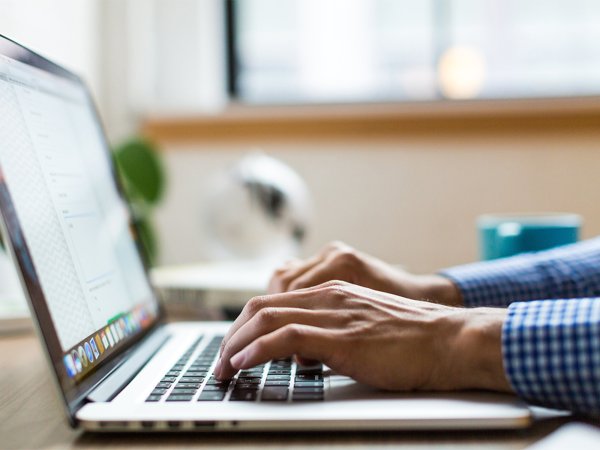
[(238, 359), (217, 370)]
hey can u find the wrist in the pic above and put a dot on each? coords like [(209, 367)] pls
[(440, 290), (476, 350)]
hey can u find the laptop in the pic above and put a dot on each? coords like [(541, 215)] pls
[(118, 365)]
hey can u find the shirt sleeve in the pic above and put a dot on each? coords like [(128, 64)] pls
[(551, 352), (571, 271)]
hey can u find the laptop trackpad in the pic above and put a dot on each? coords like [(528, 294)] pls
[(345, 388)]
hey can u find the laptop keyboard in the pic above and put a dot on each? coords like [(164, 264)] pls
[(280, 380)]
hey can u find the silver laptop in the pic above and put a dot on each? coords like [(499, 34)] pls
[(117, 364)]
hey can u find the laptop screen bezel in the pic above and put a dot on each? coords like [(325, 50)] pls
[(74, 394)]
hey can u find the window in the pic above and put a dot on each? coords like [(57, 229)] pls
[(319, 51)]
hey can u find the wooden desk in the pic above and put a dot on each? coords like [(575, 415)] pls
[(31, 417)]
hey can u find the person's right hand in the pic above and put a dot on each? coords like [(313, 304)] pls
[(338, 261), (376, 338)]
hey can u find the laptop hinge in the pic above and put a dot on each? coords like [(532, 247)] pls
[(108, 388)]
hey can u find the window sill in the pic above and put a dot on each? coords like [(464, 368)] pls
[(379, 120)]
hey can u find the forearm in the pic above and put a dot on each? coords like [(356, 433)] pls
[(568, 272)]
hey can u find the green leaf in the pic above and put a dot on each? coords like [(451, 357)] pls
[(141, 170)]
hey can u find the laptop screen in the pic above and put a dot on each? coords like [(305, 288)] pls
[(67, 222)]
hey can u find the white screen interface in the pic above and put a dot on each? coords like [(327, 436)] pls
[(54, 162)]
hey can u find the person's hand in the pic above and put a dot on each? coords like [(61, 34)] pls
[(376, 338), (338, 261)]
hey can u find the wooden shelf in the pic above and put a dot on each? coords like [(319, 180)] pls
[(379, 120)]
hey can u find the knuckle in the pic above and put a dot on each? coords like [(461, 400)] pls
[(346, 256), (255, 304), (267, 315), (331, 284), (337, 291), (335, 246), (293, 332)]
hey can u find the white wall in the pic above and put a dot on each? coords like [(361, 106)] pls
[(65, 31), (160, 57), (412, 200)]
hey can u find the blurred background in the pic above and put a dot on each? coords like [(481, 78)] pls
[(405, 119)]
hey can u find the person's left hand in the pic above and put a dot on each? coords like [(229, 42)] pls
[(376, 338)]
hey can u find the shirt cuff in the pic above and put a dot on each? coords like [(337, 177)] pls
[(571, 271), (551, 353), (499, 282)]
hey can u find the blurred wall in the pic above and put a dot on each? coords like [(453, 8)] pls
[(410, 200), (66, 31)]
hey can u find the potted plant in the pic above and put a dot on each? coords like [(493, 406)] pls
[(142, 176)]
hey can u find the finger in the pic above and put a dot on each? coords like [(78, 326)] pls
[(282, 277), (318, 274), (268, 320), (308, 298), (285, 275), (303, 340)]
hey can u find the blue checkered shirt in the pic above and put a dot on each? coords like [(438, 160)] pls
[(551, 337)]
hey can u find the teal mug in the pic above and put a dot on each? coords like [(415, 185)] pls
[(502, 235)]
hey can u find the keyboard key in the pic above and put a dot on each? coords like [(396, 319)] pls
[(298, 384), (158, 391), (247, 396), (215, 387), (164, 385), (306, 390), (200, 367), (168, 379), (278, 377), (274, 394), (189, 374), (249, 380), (309, 369), (179, 398), (211, 396), (254, 369), (307, 396), (187, 385), (280, 365), (245, 386), (154, 398), (195, 370), (277, 382), (173, 373), (279, 372), (182, 391), (307, 377), (217, 382), (185, 379)]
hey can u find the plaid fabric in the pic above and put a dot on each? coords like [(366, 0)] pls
[(551, 337), (551, 351), (571, 271)]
